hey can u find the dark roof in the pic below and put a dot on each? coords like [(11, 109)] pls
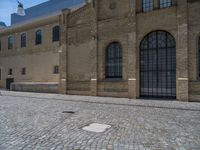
[(43, 9), (2, 24)]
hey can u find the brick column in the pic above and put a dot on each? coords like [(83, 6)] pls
[(132, 55), (156, 4), (94, 52), (63, 53), (132, 80), (182, 51), (138, 6)]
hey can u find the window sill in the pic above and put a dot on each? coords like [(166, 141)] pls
[(38, 44), (113, 80)]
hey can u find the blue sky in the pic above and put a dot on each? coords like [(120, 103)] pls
[(7, 7)]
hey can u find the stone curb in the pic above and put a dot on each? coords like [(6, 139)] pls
[(188, 106)]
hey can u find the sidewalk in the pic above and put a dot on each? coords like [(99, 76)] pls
[(108, 100)]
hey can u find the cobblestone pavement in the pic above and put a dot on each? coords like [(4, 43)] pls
[(36, 121)]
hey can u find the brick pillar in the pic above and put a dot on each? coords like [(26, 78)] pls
[(94, 50), (156, 4), (132, 91), (182, 51), (93, 86), (138, 6), (132, 58), (63, 53)]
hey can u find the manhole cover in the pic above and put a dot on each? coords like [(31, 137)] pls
[(68, 112), (96, 127)]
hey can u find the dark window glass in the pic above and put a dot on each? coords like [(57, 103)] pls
[(158, 65), (10, 42), (165, 3), (56, 34), (0, 45), (38, 37), (10, 71), (147, 5), (0, 74), (23, 71), (114, 61), (56, 69), (23, 40), (199, 54)]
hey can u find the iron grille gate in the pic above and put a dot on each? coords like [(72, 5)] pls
[(158, 66)]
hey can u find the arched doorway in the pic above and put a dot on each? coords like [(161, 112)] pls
[(158, 65)]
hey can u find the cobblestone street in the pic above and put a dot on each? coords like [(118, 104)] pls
[(38, 121)]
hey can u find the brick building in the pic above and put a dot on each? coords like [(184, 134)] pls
[(117, 48)]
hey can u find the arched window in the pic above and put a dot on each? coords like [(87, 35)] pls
[(199, 56), (38, 37), (56, 34), (165, 3), (10, 42), (23, 40), (147, 5), (114, 60), (158, 65)]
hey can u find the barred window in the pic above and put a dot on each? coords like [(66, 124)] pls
[(38, 37), (10, 42), (165, 3), (23, 40), (147, 5), (56, 34), (23, 71), (158, 65), (114, 60)]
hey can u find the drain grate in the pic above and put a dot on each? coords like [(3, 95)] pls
[(68, 112)]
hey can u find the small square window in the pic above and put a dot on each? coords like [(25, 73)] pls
[(23, 71), (10, 71), (56, 70)]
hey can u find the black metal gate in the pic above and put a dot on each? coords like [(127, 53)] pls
[(158, 66)]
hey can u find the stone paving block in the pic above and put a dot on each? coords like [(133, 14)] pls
[(28, 122)]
